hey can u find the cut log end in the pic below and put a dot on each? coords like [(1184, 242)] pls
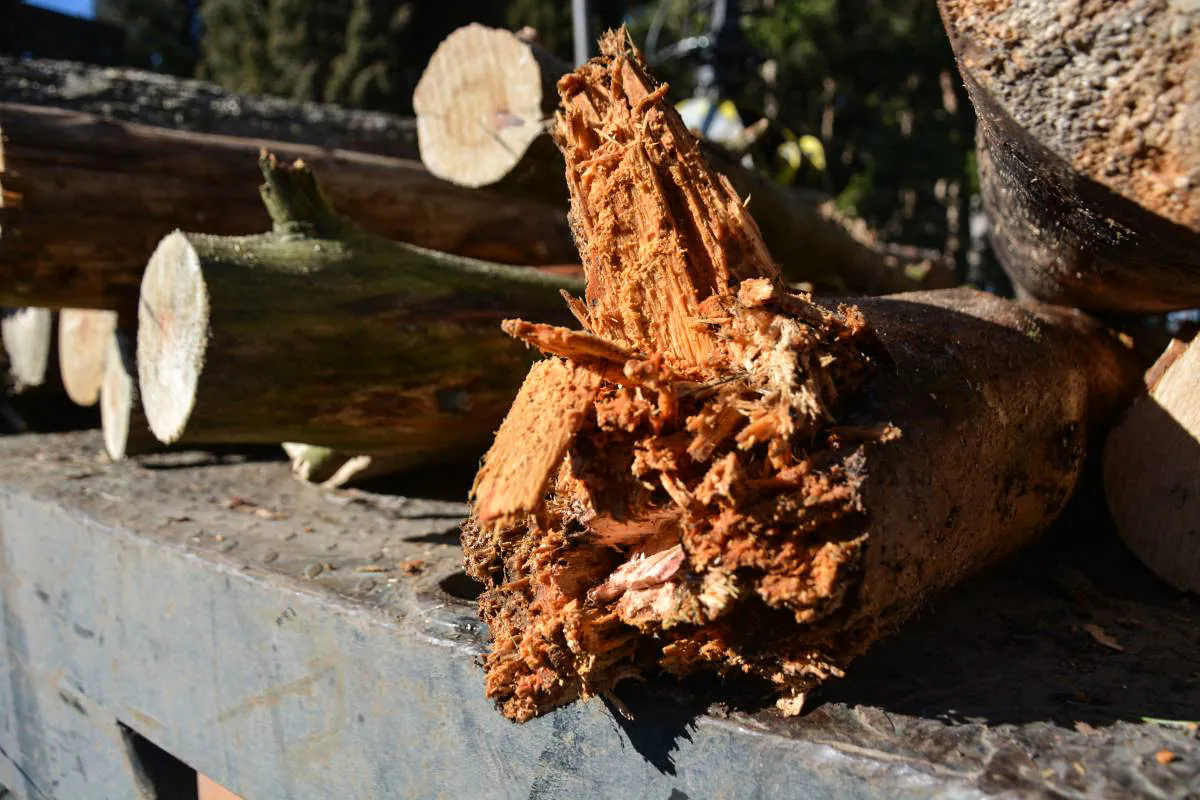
[(28, 335), (1152, 470), (475, 124), (117, 395), (173, 318), (83, 342)]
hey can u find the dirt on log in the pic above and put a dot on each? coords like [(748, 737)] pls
[(319, 332), (482, 106), (718, 474), (1089, 145), (165, 101), (84, 201)]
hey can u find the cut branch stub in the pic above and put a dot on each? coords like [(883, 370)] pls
[(322, 333), (122, 421), (720, 474), (28, 335)]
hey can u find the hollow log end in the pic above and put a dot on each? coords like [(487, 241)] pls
[(83, 344), (173, 317), (116, 400), (479, 105)]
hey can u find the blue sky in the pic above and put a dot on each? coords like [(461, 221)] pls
[(80, 8)]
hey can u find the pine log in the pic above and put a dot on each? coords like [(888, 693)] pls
[(29, 341), (165, 101), (718, 474), (122, 420), (319, 332), (122, 187), (1089, 145), (483, 105), (83, 344), (1152, 469)]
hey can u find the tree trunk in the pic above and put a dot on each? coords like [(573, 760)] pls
[(719, 474), (122, 419), (151, 98), (1088, 123), (319, 332), (483, 105), (1152, 469), (83, 343), (85, 201)]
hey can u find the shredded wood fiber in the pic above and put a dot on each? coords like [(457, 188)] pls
[(674, 487)]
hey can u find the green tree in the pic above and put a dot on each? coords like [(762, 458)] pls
[(160, 35)]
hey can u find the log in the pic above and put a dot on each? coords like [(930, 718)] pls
[(1088, 132), (718, 474), (319, 332), (29, 342), (83, 344), (482, 106), (122, 419), (124, 186), (165, 101), (1152, 469)]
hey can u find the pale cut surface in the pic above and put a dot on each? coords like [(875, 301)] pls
[(83, 343), (117, 395), (172, 336), (474, 123), (1152, 471), (27, 334)]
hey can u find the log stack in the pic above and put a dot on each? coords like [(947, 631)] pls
[(709, 470)]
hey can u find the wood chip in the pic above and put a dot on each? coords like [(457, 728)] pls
[(1165, 756), (1101, 636)]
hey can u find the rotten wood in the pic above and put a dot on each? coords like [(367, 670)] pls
[(1089, 146), (482, 108), (123, 186), (319, 332), (718, 474), (1152, 469)]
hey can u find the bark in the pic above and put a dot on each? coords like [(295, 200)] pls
[(165, 101), (718, 474), (1088, 124), (83, 343), (122, 419), (321, 333), (483, 106), (124, 186), (1152, 467)]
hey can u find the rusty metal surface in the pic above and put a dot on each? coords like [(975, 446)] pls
[(292, 643)]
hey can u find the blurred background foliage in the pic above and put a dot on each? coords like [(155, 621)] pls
[(872, 81)]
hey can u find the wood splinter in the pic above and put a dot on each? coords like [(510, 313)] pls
[(718, 474)]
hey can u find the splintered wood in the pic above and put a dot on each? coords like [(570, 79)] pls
[(720, 474)]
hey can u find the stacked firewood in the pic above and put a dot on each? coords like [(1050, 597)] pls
[(716, 466)]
